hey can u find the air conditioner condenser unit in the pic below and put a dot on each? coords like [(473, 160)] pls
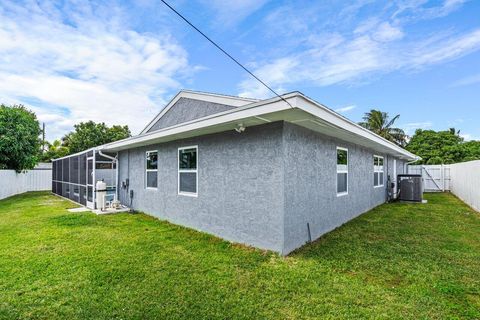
[(411, 187)]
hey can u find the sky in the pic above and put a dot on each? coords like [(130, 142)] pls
[(120, 62)]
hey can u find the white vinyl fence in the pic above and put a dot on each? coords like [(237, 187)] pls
[(12, 183), (465, 182), (462, 179), (435, 177)]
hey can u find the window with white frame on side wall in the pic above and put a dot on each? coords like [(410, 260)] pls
[(188, 171), (378, 171), (342, 171), (151, 169)]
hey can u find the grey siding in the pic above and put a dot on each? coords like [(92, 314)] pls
[(310, 185), (260, 187), (240, 189), (401, 166), (186, 110)]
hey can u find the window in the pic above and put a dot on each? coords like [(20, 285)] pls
[(342, 171), (377, 171), (151, 169), (105, 165), (187, 171)]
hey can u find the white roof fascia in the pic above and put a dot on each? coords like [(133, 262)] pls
[(296, 99), (203, 96), (250, 110), (338, 120)]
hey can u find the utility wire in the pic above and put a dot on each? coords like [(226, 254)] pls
[(225, 52)]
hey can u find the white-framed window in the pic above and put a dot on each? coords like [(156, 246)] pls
[(377, 171), (151, 169), (188, 171), (342, 171)]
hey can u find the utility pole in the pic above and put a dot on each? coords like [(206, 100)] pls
[(43, 137)]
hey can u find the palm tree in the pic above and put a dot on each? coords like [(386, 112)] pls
[(54, 150), (379, 122), (454, 131)]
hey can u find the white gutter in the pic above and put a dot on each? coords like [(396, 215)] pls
[(340, 121), (250, 110), (107, 156), (258, 109), (410, 162)]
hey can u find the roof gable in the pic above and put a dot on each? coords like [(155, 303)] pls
[(191, 105), (186, 109)]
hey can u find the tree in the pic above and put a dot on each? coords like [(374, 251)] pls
[(90, 134), (380, 123), (472, 149), (54, 150), (19, 138), (442, 147)]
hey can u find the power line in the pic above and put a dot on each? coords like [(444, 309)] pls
[(225, 52)]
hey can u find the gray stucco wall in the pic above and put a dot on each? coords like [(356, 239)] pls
[(186, 110), (240, 185), (310, 184), (260, 187)]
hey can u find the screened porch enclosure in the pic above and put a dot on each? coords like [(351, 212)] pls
[(74, 177)]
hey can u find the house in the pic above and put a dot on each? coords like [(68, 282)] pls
[(273, 174)]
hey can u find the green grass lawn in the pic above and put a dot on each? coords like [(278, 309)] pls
[(397, 261)]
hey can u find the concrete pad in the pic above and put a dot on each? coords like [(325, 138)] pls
[(111, 211), (80, 209)]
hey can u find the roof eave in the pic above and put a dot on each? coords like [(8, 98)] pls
[(257, 109), (349, 125)]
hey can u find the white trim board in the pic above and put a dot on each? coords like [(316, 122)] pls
[(301, 111), (227, 117)]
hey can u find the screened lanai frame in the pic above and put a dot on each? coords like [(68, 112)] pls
[(74, 176)]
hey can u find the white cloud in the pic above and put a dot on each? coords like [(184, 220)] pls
[(410, 128), (440, 49), (277, 72), (469, 137), (376, 46), (418, 125), (416, 9), (77, 65), (332, 59), (386, 32), (467, 81), (229, 13), (346, 108)]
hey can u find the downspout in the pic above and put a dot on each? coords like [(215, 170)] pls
[(114, 159), (405, 166), (116, 178), (94, 182), (387, 184), (107, 156)]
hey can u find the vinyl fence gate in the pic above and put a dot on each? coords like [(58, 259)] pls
[(436, 178)]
